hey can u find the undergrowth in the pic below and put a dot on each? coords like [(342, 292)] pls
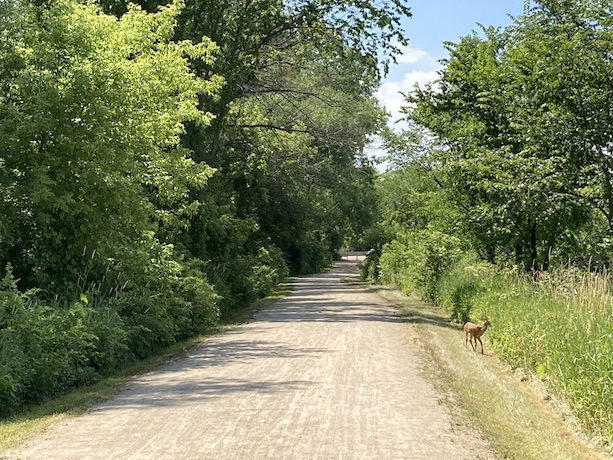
[(36, 418), (558, 325)]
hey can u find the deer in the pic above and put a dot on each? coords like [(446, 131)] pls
[(473, 333)]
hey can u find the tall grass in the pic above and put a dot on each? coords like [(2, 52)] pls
[(557, 324), (560, 326)]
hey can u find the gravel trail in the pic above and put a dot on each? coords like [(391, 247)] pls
[(329, 372)]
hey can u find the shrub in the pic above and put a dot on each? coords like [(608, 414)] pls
[(459, 286), (165, 297), (47, 347), (369, 267), (44, 349), (269, 268), (416, 261)]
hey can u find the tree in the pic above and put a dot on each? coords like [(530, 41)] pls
[(558, 68), (283, 130), (295, 170), (285, 65), (516, 161), (93, 109)]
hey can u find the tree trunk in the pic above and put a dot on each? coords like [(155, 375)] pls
[(533, 248)]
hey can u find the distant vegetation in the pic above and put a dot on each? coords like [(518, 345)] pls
[(499, 200)]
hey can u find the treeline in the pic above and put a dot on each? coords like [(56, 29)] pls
[(162, 165), (500, 196)]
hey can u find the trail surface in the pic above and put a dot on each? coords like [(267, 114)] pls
[(330, 372)]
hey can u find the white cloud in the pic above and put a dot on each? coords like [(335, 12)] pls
[(415, 57), (415, 67), (411, 55), (389, 93)]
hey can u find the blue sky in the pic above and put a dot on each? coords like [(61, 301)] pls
[(434, 22)]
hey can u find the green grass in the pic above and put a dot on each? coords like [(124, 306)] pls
[(518, 417), (37, 419), (559, 327)]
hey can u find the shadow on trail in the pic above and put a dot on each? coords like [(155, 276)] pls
[(177, 383), (180, 391), (221, 353), (314, 299), (331, 289), (326, 310), (432, 319), (414, 311)]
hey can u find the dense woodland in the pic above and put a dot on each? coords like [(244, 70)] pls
[(164, 164)]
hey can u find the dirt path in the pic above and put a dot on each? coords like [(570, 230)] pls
[(330, 372)]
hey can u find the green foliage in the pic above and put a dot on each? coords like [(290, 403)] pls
[(92, 113), (369, 267), (46, 349), (290, 128), (301, 187), (163, 299), (410, 195), (525, 152), (52, 347), (416, 261), (558, 326), (508, 157), (459, 287), (268, 271)]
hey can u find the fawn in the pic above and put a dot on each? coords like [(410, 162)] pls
[(474, 333)]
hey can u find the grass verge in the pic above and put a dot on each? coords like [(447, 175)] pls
[(37, 419), (512, 411)]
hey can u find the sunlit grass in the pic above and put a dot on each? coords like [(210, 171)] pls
[(559, 326), (512, 415)]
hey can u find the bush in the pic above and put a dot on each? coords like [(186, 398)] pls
[(416, 261), (459, 286), (557, 324), (269, 268), (369, 267), (165, 297), (47, 347), (308, 256), (44, 349), (109, 333)]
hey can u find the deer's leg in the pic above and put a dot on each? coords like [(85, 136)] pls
[(479, 339)]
